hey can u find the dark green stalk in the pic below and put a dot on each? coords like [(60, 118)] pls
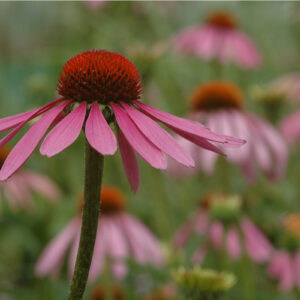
[(90, 215)]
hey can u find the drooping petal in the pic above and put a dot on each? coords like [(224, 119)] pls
[(141, 240), (130, 162), (149, 152), (216, 234), (246, 53), (98, 132), (184, 125), (201, 142), (281, 268), (233, 243), (117, 248), (42, 185), (159, 137), (257, 245), (13, 121), (26, 145), (297, 268), (184, 232), (98, 260), (65, 132), (277, 146), (51, 259)]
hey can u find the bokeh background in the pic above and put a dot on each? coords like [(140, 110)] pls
[(37, 38)]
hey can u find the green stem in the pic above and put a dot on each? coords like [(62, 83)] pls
[(90, 216)]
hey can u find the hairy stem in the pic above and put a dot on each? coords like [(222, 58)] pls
[(90, 215)]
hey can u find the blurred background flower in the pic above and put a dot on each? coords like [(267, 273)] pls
[(119, 235)]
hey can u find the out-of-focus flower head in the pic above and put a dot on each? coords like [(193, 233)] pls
[(96, 80), (19, 189), (289, 85), (202, 284), (284, 264), (119, 236), (220, 106), (275, 95), (219, 38), (220, 221)]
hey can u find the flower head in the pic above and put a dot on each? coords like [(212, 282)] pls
[(19, 189), (202, 284), (95, 79), (220, 106), (222, 225), (219, 38), (284, 264), (119, 236)]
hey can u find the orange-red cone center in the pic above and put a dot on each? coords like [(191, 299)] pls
[(112, 200), (216, 95), (101, 76), (222, 20)]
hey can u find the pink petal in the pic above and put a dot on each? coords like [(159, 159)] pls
[(42, 185), (52, 257), (277, 146), (119, 269), (144, 245), (159, 137), (246, 53), (65, 132), (184, 232), (233, 243), (16, 193), (73, 253), (184, 125), (101, 242), (216, 234), (26, 145), (13, 121), (98, 132), (130, 162), (149, 152), (202, 222), (297, 268), (117, 248), (257, 245), (281, 268), (201, 142)]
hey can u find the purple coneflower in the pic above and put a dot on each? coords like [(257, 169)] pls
[(119, 236), (104, 78), (18, 189), (220, 106), (284, 264), (219, 221), (219, 38)]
